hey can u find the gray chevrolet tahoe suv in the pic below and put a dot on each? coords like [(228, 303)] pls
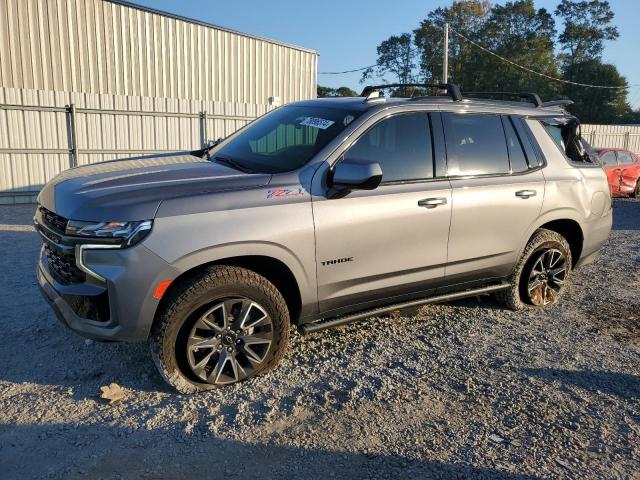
[(317, 214)]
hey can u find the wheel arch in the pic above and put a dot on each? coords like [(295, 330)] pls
[(273, 269), (565, 224)]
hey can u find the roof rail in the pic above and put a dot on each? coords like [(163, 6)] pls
[(452, 89), (533, 98)]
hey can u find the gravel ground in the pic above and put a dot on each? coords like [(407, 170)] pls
[(461, 390)]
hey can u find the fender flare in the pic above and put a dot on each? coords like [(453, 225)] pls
[(217, 253), (551, 216)]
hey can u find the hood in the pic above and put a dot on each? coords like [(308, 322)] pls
[(129, 190)]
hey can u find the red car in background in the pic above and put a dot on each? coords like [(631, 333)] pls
[(623, 171)]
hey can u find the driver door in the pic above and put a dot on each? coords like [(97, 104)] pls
[(388, 244)]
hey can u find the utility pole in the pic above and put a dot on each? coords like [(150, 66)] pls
[(445, 55)]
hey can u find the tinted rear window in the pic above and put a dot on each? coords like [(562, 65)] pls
[(475, 144)]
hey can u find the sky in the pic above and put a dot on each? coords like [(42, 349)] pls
[(347, 32)]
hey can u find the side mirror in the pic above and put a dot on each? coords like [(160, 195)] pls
[(351, 174)]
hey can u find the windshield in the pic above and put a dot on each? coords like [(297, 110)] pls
[(285, 139)]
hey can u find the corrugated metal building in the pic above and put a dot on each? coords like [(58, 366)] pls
[(86, 80)]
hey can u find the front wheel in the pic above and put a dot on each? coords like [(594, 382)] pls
[(224, 325), (542, 274)]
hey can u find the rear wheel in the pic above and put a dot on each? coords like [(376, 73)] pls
[(225, 325), (542, 274), (636, 192)]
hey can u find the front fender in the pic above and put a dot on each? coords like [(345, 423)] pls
[(282, 230), (219, 253)]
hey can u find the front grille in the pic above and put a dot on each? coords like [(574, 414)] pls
[(62, 265), (54, 221)]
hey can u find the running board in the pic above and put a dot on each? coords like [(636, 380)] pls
[(325, 323)]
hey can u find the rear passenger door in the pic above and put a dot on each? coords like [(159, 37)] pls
[(497, 193)]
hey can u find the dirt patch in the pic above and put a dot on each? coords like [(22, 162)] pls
[(621, 321)]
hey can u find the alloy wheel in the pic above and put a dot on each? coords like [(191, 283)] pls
[(229, 341), (547, 276)]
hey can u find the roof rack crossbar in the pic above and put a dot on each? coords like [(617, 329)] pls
[(452, 89)]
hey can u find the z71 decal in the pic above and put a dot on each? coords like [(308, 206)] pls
[(285, 192)]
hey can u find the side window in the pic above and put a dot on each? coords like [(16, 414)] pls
[(401, 145), (517, 156), (555, 133), (625, 158), (475, 144), (609, 159)]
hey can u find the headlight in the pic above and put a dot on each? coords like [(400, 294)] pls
[(130, 232)]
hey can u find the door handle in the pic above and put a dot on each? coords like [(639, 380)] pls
[(432, 202), (524, 194)]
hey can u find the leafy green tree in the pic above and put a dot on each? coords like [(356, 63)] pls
[(598, 105), (467, 17), (345, 92), (323, 92), (587, 25), (396, 57), (524, 35)]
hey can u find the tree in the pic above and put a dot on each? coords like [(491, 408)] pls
[(587, 25), (601, 105), (323, 92), (524, 35), (345, 92), (517, 31), (466, 17), (395, 56)]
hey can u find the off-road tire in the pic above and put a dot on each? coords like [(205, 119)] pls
[(207, 286), (636, 191), (541, 240)]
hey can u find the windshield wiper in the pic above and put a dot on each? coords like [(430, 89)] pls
[(230, 162), (204, 152)]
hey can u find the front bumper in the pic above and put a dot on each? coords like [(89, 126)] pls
[(129, 274)]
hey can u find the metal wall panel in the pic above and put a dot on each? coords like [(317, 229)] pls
[(138, 79), (35, 132), (97, 46)]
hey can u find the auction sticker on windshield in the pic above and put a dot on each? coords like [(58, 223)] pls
[(321, 123)]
